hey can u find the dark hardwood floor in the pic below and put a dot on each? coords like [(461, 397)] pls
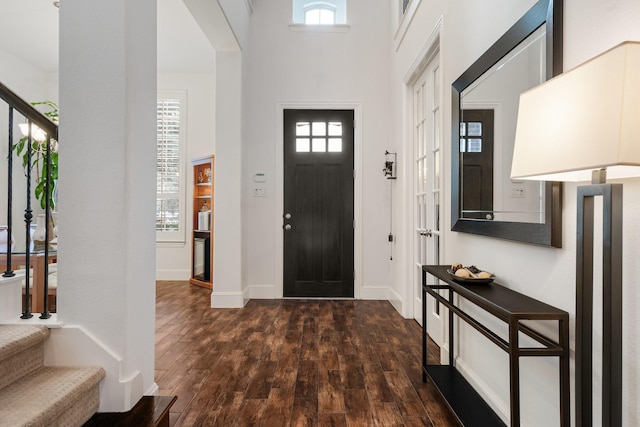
[(291, 363)]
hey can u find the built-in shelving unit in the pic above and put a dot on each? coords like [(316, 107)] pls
[(202, 237)]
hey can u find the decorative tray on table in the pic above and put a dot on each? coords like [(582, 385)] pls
[(471, 275)]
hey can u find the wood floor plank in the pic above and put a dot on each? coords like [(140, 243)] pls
[(328, 357), (260, 384), (304, 413), (357, 408), (286, 371), (351, 372), (331, 392), (278, 408), (376, 383), (224, 411), (332, 420), (280, 363), (307, 380), (386, 414), (405, 395), (250, 413)]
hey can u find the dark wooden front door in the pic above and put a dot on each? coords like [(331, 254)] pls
[(318, 203), (476, 155)]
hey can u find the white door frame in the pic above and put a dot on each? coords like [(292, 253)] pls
[(430, 49), (279, 186)]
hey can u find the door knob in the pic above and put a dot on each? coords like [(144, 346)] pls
[(287, 216), (287, 227)]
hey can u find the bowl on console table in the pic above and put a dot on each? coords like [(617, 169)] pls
[(471, 275)]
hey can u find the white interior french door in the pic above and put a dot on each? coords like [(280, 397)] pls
[(427, 173)]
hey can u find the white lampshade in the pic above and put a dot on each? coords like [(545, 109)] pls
[(585, 119)]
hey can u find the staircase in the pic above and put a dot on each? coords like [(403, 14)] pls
[(32, 394)]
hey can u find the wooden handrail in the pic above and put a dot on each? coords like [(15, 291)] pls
[(28, 111)]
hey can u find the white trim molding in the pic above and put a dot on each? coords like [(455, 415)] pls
[(335, 28), (228, 299), (405, 22)]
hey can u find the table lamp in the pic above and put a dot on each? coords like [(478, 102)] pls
[(584, 125)]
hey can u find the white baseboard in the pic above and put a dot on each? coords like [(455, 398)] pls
[(264, 292), (366, 293), (444, 354), (374, 293), (153, 390), (396, 302), (75, 346), (227, 299), (177, 275), (487, 394)]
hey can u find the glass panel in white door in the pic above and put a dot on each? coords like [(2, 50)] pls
[(427, 137)]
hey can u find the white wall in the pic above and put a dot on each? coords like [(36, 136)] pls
[(547, 274), (107, 176), (173, 260), (304, 68), (28, 81)]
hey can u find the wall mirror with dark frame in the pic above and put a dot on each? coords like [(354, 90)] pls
[(484, 199)]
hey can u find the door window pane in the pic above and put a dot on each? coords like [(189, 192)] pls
[(475, 145), (319, 145), (436, 170), (335, 129), (303, 129), (475, 128), (335, 145), (319, 128), (302, 145)]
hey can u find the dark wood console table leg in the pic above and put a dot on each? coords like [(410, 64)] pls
[(565, 379), (514, 372), (424, 327)]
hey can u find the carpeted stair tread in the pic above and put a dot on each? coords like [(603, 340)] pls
[(46, 394), (16, 338)]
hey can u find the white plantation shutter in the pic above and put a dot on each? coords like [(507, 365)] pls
[(170, 221)]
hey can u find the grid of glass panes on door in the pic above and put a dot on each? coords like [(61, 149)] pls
[(318, 137)]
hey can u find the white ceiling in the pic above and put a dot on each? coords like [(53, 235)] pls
[(29, 30)]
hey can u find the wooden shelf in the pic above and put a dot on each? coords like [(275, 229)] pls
[(462, 399), (202, 239)]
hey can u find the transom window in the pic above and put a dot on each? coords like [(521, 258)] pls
[(320, 15), (319, 137), (319, 12)]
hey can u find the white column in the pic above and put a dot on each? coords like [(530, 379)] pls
[(106, 252), (227, 265)]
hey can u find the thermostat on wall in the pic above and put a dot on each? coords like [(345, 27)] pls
[(259, 177)]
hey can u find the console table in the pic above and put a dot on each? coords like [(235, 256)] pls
[(511, 307)]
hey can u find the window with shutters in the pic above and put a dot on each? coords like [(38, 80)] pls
[(170, 217)]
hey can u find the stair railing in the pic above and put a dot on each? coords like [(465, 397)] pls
[(33, 118)]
